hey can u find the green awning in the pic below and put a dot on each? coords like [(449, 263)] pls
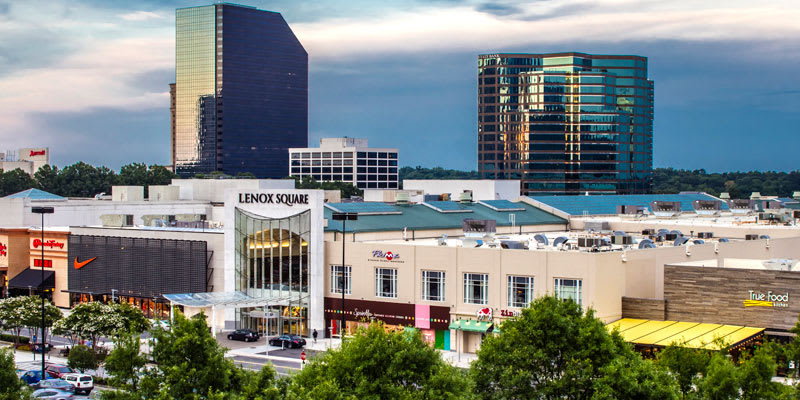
[(470, 325)]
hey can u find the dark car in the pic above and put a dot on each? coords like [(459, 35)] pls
[(290, 341), (59, 370), (53, 394), (54, 383), (34, 376), (246, 335)]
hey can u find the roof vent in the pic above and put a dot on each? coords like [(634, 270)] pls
[(725, 196), (796, 195), (755, 196), (465, 197), (401, 198)]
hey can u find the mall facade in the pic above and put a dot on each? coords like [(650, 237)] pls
[(270, 258)]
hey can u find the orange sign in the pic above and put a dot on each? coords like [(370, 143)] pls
[(79, 265)]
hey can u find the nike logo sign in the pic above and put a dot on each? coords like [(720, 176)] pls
[(79, 265)]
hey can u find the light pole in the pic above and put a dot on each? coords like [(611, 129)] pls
[(344, 217), (42, 211)]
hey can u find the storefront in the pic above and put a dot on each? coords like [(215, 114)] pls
[(138, 271), (432, 321), (32, 265)]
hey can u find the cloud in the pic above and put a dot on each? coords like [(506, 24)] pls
[(500, 9), (141, 16)]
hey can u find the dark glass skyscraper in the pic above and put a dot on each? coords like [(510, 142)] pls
[(241, 91), (566, 123)]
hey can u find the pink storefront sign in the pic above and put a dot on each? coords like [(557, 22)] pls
[(422, 316)]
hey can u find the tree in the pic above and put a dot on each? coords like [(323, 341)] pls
[(375, 364), (160, 175), (259, 386), (48, 179), (90, 321), (12, 315), (125, 362), (32, 314), (686, 363), (15, 181), (720, 381), (630, 377), (11, 387), (82, 358), (756, 372), (552, 350), (132, 318), (191, 364)]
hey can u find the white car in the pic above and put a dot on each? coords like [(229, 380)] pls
[(83, 383)]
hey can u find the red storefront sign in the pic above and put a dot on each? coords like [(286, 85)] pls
[(50, 243), (38, 263), (3, 250), (37, 153)]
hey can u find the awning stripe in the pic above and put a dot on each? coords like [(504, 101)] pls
[(687, 334)]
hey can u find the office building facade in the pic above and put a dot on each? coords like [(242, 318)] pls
[(241, 91), (566, 123), (346, 160)]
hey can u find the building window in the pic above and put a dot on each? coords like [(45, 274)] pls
[(476, 289), (336, 279), (569, 289), (433, 285), (386, 282), (520, 291)]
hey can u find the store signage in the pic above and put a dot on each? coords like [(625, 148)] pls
[(37, 262), (37, 153), (484, 314), (81, 264), (380, 255), (362, 314), (50, 243), (274, 198), (510, 313), (768, 299), (3, 250)]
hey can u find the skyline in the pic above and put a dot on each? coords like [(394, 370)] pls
[(83, 71)]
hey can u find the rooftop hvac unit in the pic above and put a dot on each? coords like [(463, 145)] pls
[(465, 197), (772, 205), (589, 242), (513, 244), (707, 207), (401, 198), (751, 236), (541, 239), (596, 225), (755, 196), (622, 240), (630, 209), (796, 213), (648, 232), (559, 240), (665, 208), (670, 236), (705, 235), (725, 196), (796, 195), (741, 206), (647, 244)]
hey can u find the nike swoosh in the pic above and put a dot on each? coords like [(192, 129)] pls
[(79, 265)]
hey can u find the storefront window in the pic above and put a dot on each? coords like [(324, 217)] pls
[(433, 285), (520, 291), (476, 289), (386, 282), (336, 279), (569, 289)]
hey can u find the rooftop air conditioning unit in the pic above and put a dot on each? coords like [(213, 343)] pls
[(705, 235), (751, 236), (401, 198)]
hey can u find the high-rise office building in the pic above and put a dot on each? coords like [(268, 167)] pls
[(241, 91), (346, 160), (566, 123)]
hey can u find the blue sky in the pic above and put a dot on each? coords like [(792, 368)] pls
[(88, 78)]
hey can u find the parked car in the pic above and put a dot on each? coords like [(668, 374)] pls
[(55, 383), (291, 341), (53, 394), (57, 370), (246, 335), (81, 383), (33, 376)]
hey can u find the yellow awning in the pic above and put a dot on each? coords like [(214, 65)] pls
[(688, 334)]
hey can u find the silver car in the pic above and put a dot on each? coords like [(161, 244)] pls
[(53, 394)]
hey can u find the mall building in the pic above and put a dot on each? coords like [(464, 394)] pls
[(258, 254)]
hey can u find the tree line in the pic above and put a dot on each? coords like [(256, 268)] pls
[(552, 350), (83, 180), (738, 184)]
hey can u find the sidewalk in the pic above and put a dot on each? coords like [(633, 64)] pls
[(461, 361)]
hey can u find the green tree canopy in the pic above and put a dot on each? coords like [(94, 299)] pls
[(11, 387), (720, 381), (82, 358), (554, 350), (15, 181), (125, 362), (376, 365), (686, 363), (90, 321)]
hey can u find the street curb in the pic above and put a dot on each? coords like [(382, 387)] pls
[(230, 354)]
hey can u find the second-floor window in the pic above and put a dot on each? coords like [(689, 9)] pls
[(433, 285), (520, 291), (476, 289), (385, 282), (340, 277)]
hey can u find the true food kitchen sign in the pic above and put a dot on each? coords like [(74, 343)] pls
[(766, 299)]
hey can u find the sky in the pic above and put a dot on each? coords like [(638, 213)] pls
[(89, 78)]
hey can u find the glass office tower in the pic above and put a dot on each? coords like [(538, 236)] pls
[(566, 123), (241, 91)]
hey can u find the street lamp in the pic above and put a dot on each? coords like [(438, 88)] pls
[(344, 217), (42, 211)]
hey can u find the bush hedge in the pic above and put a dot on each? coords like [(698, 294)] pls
[(10, 338)]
